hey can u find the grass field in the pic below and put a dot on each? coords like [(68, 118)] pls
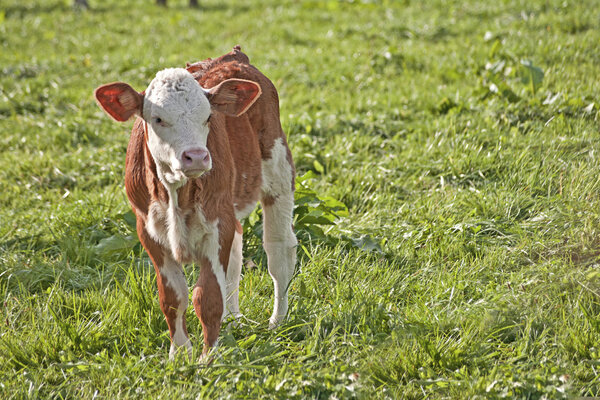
[(462, 136)]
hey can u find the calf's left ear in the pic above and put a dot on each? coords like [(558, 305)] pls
[(233, 97), (119, 100)]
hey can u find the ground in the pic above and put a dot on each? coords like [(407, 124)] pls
[(462, 136)]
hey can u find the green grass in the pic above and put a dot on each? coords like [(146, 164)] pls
[(482, 189)]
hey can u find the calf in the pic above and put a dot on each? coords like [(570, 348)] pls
[(207, 144)]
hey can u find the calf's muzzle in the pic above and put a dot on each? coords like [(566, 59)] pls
[(195, 161)]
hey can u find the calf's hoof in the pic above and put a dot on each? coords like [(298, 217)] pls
[(275, 321), (184, 351)]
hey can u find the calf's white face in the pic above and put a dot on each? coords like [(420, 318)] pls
[(177, 110)]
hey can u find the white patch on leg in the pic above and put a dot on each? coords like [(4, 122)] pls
[(277, 171), (210, 249), (244, 212), (281, 256), (279, 240), (180, 341), (173, 277), (156, 223), (234, 270)]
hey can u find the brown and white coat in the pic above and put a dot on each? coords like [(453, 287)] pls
[(198, 161)]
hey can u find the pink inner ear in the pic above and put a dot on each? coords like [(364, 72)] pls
[(246, 86), (250, 92), (119, 100), (247, 93), (234, 97)]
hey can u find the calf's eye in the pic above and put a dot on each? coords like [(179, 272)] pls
[(159, 121)]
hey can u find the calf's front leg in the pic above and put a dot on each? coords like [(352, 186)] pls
[(172, 292), (208, 304), (173, 296), (234, 271), (209, 292)]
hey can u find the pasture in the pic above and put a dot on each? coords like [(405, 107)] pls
[(462, 138)]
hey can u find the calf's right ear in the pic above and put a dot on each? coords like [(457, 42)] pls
[(119, 100)]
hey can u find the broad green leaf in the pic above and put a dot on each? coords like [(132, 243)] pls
[(318, 167), (311, 219), (130, 219), (115, 244), (366, 243), (532, 75)]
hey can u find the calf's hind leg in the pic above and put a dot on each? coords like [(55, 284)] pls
[(280, 244), (279, 240)]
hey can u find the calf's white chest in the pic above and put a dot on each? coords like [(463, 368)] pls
[(186, 234)]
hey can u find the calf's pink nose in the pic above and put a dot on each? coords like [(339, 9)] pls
[(196, 159)]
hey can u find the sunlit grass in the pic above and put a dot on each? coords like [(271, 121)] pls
[(482, 192)]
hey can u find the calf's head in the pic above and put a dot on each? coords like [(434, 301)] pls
[(177, 111)]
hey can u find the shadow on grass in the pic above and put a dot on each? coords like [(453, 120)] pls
[(21, 10), (37, 264)]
